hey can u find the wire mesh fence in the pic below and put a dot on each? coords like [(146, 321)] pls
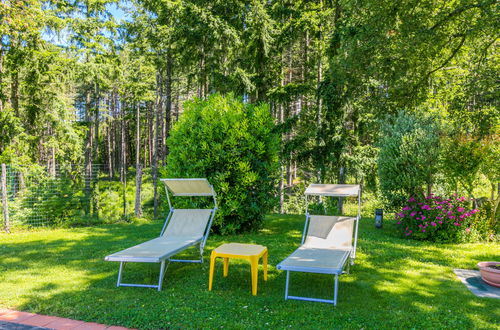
[(41, 196)]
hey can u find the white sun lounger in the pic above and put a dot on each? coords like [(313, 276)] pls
[(328, 242), (183, 228)]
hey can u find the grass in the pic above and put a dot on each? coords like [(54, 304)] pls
[(395, 283)]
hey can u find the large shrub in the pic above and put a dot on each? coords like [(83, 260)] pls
[(408, 158), (234, 146), (438, 219)]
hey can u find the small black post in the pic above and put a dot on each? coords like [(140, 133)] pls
[(379, 217)]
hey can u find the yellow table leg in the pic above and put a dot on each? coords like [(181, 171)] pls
[(212, 266), (254, 269), (226, 266), (264, 264)]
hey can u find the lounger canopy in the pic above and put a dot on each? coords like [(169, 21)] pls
[(182, 229), (328, 242), (332, 190)]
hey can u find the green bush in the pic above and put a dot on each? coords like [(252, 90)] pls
[(408, 158), (233, 145)]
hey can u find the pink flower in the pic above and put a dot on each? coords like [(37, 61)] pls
[(433, 224), (412, 214)]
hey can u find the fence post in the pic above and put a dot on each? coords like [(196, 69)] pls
[(5, 206)]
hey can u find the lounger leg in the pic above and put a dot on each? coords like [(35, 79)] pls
[(335, 290), (162, 273), (118, 282), (211, 273), (286, 285), (226, 267)]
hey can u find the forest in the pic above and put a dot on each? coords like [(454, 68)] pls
[(346, 83)]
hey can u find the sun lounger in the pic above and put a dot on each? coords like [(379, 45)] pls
[(328, 242), (183, 228)]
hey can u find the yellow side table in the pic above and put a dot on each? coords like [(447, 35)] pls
[(251, 252)]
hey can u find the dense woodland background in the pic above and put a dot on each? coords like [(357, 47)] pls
[(79, 86)]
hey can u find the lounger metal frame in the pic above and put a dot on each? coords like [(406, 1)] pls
[(165, 261), (351, 256)]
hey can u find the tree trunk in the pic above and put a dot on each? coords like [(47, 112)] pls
[(95, 155), (319, 101), (88, 154), (123, 167), (110, 148), (2, 97), (14, 92), (138, 168), (150, 132), (52, 162), (168, 104), (155, 145), (340, 204), (5, 205)]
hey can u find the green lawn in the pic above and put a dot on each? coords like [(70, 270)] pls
[(395, 283)]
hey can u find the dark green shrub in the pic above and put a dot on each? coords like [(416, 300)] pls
[(234, 146), (408, 158)]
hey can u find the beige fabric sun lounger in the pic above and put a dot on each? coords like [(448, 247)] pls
[(328, 242), (183, 228)]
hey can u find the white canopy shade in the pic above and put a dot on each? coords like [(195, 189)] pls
[(333, 190), (189, 187)]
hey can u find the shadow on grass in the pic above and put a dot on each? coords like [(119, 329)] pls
[(395, 283)]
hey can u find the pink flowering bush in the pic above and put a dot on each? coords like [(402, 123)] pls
[(438, 219)]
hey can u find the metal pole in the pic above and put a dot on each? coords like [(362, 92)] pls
[(118, 282), (5, 205), (287, 282), (336, 290)]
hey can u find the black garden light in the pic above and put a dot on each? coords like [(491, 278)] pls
[(379, 216)]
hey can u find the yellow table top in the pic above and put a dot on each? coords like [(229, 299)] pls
[(238, 249)]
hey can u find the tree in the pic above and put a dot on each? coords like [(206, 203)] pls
[(408, 158), (234, 146)]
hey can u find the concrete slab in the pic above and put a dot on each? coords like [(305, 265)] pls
[(473, 282)]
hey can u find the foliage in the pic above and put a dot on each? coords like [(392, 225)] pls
[(462, 158), (437, 219), (408, 158), (61, 272), (234, 146)]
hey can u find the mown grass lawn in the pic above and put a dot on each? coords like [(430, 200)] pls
[(395, 283)]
